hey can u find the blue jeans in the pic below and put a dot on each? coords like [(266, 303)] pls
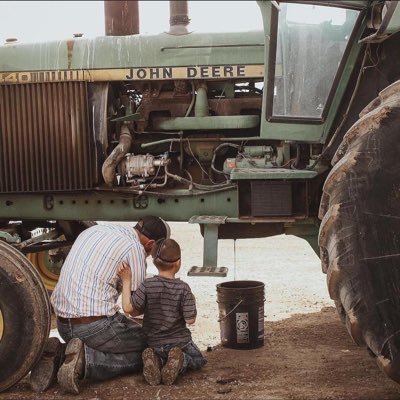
[(193, 359), (113, 345)]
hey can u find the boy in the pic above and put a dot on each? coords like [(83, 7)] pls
[(168, 305)]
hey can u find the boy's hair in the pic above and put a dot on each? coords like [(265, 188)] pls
[(165, 253)]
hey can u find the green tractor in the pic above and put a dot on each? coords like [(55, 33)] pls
[(291, 130)]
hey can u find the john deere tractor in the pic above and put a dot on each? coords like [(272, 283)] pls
[(289, 130)]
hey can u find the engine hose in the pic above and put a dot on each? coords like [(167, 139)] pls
[(126, 193), (194, 184)]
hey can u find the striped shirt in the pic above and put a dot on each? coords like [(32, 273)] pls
[(88, 284), (166, 304)]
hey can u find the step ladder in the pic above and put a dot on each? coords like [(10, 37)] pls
[(210, 246)]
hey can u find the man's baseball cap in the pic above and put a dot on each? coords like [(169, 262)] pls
[(153, 227)]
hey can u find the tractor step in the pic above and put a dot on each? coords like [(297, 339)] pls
[(207, 271)]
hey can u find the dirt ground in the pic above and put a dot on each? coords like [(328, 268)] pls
[(307, 356), (308, 353)]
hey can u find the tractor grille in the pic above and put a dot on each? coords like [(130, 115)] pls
[(271, 199), (45, 143)]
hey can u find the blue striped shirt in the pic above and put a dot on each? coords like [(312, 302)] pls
[(88, 284)]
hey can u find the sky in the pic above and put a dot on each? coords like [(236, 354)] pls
[(38, 21)]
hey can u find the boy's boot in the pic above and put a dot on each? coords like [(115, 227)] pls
[(73, 368), (44, 372), (151, 367), (173, 366)]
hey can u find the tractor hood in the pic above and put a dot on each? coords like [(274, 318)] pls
[(135, 51)]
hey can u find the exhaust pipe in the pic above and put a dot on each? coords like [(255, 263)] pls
[(178, 17), (121, 17)]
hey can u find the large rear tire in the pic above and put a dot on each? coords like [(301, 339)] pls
[(25, 316), (359, 236)]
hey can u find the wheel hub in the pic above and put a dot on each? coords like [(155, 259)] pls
[(48, 265)]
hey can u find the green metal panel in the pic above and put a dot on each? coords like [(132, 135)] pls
[(304, 132), (271, 173), (210, 122), (115, 207), (135, 51)]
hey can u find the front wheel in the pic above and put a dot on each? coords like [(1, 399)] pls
[(24, 316), (359, 236)]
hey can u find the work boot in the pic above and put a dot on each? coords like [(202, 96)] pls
[(44, 373), (73, 368), (172, 367), (151, 367)]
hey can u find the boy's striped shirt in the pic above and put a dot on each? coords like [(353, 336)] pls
[(166, 303)]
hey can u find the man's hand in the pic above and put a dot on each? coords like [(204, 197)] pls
[(124, 272)]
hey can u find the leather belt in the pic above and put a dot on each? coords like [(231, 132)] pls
[(81, 320)]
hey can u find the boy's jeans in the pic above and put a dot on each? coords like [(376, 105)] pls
[(113, 345), (193, 358)]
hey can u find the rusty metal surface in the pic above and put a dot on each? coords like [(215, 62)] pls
[(45, 142), (121, 18), (179, 17)]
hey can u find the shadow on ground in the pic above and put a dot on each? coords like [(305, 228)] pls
[(307, 356)]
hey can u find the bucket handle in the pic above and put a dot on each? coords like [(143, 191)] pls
[(233, 309)]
